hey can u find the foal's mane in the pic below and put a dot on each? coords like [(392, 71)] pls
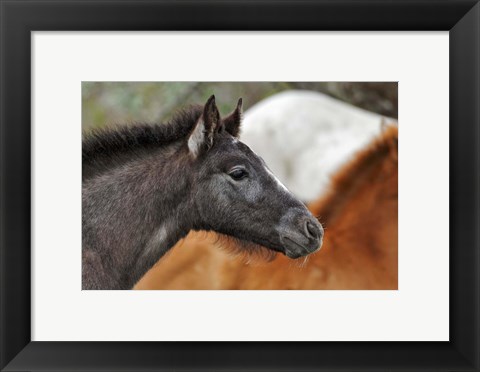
[(102, 148), (355, 173)]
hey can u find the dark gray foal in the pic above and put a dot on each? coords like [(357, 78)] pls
[(146, 187)]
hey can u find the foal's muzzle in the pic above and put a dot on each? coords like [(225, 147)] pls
[(300, 234)]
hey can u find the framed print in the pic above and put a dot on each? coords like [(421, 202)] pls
[(249, 98)]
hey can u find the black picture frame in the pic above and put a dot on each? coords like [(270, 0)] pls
[(18, 18)]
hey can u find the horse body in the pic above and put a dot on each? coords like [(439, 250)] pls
[(360, 249), (126, 225), (146, 187), (305, 137)]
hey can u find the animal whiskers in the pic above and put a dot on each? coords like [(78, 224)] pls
[(248, 252)]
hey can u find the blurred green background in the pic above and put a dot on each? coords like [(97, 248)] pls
[(112, 103)]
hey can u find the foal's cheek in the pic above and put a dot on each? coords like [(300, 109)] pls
[(212, 199), (254, 193)]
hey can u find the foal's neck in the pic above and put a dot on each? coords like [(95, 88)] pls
[(137, 210)]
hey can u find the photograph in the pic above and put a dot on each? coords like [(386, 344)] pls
[(239, 185)]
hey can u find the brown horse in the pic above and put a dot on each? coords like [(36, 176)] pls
[(360, 247)]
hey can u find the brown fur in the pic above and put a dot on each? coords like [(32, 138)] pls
[(360, 249)]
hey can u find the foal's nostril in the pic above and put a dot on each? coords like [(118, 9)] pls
[(312, 230)]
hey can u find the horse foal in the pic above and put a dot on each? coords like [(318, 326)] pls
[(145, 187)]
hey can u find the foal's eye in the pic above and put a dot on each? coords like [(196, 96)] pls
[(238, 174)]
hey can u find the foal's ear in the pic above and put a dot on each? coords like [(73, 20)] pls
[(201, 138), (232, 122)]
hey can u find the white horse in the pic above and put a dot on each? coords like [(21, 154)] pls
[(306, 136)]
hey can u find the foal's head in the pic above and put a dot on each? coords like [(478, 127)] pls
[(234, 192)]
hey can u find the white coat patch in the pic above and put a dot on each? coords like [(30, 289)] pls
[(158, 239), (279, 183)]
